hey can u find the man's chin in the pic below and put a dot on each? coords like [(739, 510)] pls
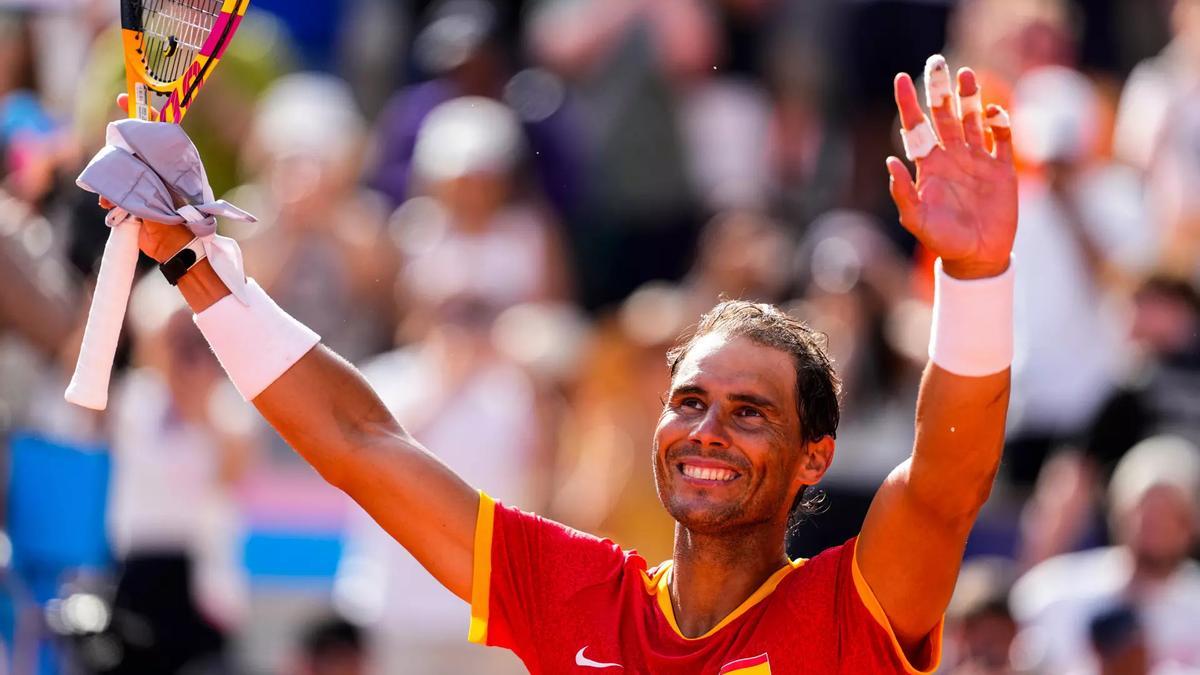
[(703, 515)]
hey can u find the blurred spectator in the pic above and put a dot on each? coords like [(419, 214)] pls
[(980, 629), (460, 47), (181, 440), (1083, 229), (604, 479), (320, 245), (1158, 131), (455, 394), (1119, 642), (1160, 396), (741, 254), (1154, 512), (625, 60), (854, 291), (331, 647), (471, 230), (1163, 395)]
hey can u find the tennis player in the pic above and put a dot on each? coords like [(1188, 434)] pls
[(749, 422)]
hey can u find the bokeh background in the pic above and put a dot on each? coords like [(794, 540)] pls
[(504, 213)]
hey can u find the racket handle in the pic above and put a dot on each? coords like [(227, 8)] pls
[(89, 384)]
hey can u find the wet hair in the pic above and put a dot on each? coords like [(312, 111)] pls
[(817, 384)]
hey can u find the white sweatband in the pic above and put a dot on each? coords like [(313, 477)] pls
[(972, 332), (937, 81), (918, 141), (970, 104), (255, 342)]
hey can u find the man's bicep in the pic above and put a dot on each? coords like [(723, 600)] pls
[(324, 408), (424, 506), (909, 559)]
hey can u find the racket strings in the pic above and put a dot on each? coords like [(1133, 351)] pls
[(175, 31)]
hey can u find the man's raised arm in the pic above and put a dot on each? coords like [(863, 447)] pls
[(962, 207), (324, 409)]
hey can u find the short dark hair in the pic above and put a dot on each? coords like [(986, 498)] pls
[(817, 384)]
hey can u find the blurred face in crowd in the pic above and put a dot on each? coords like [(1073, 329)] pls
[(1160, 528), (1161, 324), (728, 450), (986, 639), (473, 198)]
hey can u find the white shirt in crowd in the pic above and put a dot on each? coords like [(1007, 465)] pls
[(1067, 339), (166, 496), (1055, 602)]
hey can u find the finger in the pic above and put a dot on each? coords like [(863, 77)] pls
[(997, 122), (906, 102), (919, 137), (970, 108), (904, 193), (939, 96), (105, 203), (123, 103)]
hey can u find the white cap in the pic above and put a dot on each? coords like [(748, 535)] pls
[(308, 114), (1158, 461), (467, 135)]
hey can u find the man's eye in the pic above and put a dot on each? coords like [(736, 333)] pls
[(749, 412), (691, 402)]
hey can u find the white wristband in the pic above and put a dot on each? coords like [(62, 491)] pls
[(972, 332), (255, 342)]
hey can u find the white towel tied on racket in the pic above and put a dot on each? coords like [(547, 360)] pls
[(146, 169)]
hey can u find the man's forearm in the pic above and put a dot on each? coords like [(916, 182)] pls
[(323, 407), (959, 438)]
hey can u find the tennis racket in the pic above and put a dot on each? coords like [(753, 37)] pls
[(171, 48)]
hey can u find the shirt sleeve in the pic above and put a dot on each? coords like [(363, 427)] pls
[(865, 634), (527, 570)]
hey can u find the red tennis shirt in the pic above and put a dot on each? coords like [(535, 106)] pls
[(568, 602)]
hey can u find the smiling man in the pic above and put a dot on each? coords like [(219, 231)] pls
[(749, 423)]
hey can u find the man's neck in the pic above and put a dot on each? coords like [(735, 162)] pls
[(713, 574)]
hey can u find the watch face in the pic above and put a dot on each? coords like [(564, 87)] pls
[(180, 263)]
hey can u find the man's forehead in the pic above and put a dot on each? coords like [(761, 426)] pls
[(717, 359)]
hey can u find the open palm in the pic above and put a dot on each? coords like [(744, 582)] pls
[(963, 204)]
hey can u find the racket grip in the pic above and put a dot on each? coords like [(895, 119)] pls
[(89, 384)]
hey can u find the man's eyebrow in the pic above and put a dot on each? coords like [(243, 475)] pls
[(688, 389), (751, 399), (755, 400)]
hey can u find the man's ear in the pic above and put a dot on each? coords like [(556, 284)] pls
[(815, 461)]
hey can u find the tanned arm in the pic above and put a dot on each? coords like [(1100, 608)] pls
[(324, 409), (963, 208)]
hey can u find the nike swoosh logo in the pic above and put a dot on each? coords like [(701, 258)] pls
[(581, 660)]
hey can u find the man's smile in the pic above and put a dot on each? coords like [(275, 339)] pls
[(706, 472)]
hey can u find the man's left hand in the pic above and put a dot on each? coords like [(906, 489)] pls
[(963, 204)]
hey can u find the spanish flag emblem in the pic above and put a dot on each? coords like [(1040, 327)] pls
[(755, 665)]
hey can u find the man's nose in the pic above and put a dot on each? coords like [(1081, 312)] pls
[(710, 431)]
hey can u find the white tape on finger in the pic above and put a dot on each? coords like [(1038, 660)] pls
[(918, 141), (970, 104), (998, 117), (937, 81)]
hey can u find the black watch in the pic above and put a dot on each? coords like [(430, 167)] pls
[(181, 262)]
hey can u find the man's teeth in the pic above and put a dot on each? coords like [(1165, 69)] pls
[(707, 473)]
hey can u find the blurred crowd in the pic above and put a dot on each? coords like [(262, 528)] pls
[(504, 213)]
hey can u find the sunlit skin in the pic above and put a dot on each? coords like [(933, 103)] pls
[(731, 406)]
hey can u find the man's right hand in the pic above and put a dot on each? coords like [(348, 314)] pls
[(330, 415)]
